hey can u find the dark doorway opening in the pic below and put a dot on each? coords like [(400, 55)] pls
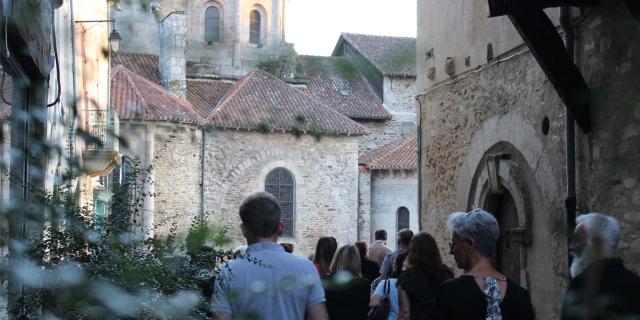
[(507, 256)]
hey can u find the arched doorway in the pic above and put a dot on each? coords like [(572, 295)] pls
[(499, 186), (507, 255)]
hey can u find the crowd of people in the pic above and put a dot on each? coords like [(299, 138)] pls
[(356, 281)]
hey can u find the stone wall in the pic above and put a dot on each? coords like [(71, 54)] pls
[(399, 95), (176, 164), (502, 108), (364, 206), (383, 132), (390, 190), (325, 173), (173, 68), (505, 104), (233, 56), (609, 162), (137, 27)]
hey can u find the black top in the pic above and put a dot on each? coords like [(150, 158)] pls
[(462, 299), (605, 290), (370, 269), (421, 293), (346, 301)]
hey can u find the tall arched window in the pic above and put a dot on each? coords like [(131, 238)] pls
[(254, 27), (403, 218), (212, 24), (280, 183)]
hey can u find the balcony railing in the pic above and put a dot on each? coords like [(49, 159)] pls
[(100, 154), (103, 126)]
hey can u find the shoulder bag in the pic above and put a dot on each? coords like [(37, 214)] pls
[(381, 311)]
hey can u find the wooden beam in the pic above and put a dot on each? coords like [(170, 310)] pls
[(634, 9), (544, 42), (502, 7)]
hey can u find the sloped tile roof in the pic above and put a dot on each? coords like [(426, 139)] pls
[(146, 65), (337, 83), (392, 56), (399, 154), (263, 102), (7, 93), (137, 98), (204, 95)]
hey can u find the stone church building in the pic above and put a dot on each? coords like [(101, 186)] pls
[(495, 134), (217, 105)]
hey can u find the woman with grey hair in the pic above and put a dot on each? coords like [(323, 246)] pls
[(481, 292)]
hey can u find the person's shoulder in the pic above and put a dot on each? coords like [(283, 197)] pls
[(516, 290), (370, 263), (294, 261), (458, 283)]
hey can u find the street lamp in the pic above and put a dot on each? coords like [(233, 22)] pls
[(114, 40), (114, 36)]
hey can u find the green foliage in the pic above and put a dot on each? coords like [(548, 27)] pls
[(263, 128), (81, 268), (273, 67)]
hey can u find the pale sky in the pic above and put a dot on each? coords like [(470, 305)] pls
[(314, 26)]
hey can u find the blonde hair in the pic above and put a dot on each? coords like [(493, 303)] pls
[(346, 258)]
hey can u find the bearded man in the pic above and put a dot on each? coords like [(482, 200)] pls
[(601, 287)]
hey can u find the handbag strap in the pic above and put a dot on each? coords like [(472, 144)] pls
[(387, 287)]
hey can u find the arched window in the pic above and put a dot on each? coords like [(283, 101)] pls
[(403, 218), (254, 27), (280, 183), (212, 25)]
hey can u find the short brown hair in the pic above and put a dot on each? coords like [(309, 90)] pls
[(404, 236), (260, 214), (346, 258), (381, 234)]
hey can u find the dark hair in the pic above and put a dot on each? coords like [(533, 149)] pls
[(424, 257), (260, 214), (404, 236), (397, 265), (362, 248), (288, 247), (381, 234), (325, 249)]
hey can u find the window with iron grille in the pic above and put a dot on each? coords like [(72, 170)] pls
[(280, 183), (254, 27), (403, 218), (212, 25)]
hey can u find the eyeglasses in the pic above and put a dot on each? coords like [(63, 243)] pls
[(454, 242)]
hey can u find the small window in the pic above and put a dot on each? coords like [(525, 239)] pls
[(280, 183), (212, 25), (254, 27), (403, 218)]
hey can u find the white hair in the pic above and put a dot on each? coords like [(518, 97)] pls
[(600, 226), (477, 225)]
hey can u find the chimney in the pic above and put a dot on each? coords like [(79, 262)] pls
[(173, 66)]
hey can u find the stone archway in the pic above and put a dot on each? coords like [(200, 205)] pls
[(499, 187)]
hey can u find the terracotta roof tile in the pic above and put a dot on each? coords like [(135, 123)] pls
[(392, 56), (7, 93), (337, 83), (204, 95), (399, 154), (263, 102), (146, 65), (137, 98)]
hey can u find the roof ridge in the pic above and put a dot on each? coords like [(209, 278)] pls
[(377, 35), (230, 94), (125, 72)]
